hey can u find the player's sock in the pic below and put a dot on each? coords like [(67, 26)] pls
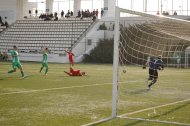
[(11, 71), (22, 73), (41, 69), (46, 71), (153, 82)]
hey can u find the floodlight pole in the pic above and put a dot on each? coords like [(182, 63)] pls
[(115, 64)]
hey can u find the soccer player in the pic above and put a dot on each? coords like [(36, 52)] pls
[(154, 66), (70, 54), (75, 72), (16, 61), (45, 61)]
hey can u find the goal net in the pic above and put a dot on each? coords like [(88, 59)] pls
[(140, 41)]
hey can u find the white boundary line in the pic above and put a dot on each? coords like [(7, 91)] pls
[(120, 116), (149, 120), (51, 89), (97, 122)]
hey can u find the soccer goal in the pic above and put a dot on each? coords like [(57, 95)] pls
[(138, 38)]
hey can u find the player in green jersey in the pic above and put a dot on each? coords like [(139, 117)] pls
[(45, 61), (16, 62)]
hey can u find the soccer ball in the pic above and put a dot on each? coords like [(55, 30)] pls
[(144, 67), (124, 71)]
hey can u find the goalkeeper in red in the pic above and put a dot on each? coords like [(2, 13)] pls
[(45, 61), (75, 72), (154, 66), (16, 62)]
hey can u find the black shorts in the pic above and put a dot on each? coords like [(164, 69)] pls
[(153, 74)]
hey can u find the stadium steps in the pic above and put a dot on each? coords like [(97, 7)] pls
[(32, 35)]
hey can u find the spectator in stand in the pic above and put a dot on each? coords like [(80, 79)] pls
[(56, 18), (51, 15), (94, 18), (2, 24), (102, 13), (6, 24), (79, 14), (94, 12), (97, 12), (68, 14), (82, 13), (0, 19), (62, 13), (55, 14), (71, 13), (30, 13), (175, 13), (36, 12)]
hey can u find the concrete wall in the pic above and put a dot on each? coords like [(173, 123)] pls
[(93, 35), (27, 6), (8, 9)]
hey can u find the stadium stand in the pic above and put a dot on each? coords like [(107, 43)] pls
[(32, 35)]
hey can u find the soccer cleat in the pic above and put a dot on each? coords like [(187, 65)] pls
[(22, 77), (149, 88)]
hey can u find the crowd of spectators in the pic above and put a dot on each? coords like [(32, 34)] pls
[(166, 13), (87, 13), (48, 17), (81, 14)]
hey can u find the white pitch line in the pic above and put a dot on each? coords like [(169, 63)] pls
[(30, 91), (97, 122), (155, 107), (159, 121), (51, 89)]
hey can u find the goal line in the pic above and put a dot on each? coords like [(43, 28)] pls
[(158, 121), (155, 107)]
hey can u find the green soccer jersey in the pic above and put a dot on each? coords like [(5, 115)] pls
[(45, 58), (15, 57)]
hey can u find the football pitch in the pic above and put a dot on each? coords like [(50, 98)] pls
[(59, 100)]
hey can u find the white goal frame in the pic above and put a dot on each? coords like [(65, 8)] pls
[(116, 57)]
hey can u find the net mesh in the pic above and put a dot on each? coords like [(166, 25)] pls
[(144, 37)]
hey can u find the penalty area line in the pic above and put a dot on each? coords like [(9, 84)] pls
[(51, 89), (155, 107)]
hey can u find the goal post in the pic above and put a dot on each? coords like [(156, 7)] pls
[(140, 37), (115, 64)]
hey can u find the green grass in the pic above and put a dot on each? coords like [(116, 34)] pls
[(73, 101)]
